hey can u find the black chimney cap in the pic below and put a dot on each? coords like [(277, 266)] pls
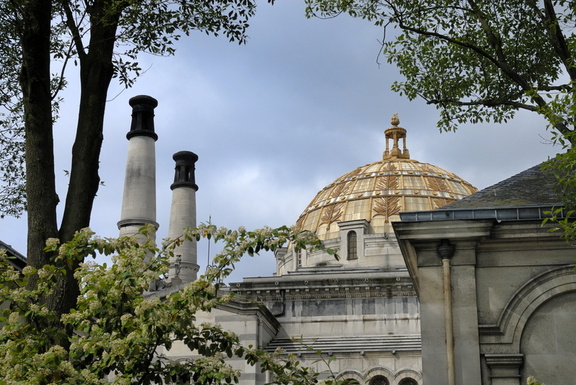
[(142, 116), (184, 170)]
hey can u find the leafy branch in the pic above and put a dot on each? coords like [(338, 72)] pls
[(117, 328)]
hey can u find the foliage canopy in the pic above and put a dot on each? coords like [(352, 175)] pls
[(119, 330)]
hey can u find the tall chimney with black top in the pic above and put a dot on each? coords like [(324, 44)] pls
[(183, 265), (139, 199)]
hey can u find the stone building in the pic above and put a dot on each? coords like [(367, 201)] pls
[(497, 289)]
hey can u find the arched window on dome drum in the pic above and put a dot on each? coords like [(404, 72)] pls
[(408, 381), (379, 380), (352, 245)]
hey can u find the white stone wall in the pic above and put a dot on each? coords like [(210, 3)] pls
[(512, 289)]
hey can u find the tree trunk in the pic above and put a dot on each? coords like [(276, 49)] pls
[(35, 83), (96, 71)]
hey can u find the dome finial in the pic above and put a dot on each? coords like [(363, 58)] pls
[(395, 133)]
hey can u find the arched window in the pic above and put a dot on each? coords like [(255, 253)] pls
[(408, 381), (352, 245), (379, 380)]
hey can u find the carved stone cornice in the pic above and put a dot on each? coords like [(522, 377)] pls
[(335, 288)]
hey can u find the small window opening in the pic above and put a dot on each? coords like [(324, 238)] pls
[(379, 380), (352, 245)]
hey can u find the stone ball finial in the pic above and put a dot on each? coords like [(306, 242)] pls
[(395, 121)]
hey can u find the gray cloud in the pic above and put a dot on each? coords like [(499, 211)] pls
[(277, 119)]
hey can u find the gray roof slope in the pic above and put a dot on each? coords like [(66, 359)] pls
[(532, 187), (17, 259)]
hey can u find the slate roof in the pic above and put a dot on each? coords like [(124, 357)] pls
[(532, 187), (17, 259), (529, 195)]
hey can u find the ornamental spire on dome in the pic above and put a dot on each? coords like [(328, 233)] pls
[(395, 133)]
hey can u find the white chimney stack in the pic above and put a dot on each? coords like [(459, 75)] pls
[(139, 200), (183, 266)]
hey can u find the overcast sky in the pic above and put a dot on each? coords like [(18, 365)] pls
[(276, 120)]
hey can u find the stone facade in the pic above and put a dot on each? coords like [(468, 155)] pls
[(504, 293), (365, 321)]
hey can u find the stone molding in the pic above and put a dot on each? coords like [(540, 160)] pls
[(504, 368), (524, 303), (387, 287)]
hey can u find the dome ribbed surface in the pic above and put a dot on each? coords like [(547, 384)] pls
[(378, 191)]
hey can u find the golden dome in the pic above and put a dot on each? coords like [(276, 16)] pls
[(378, 191)]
